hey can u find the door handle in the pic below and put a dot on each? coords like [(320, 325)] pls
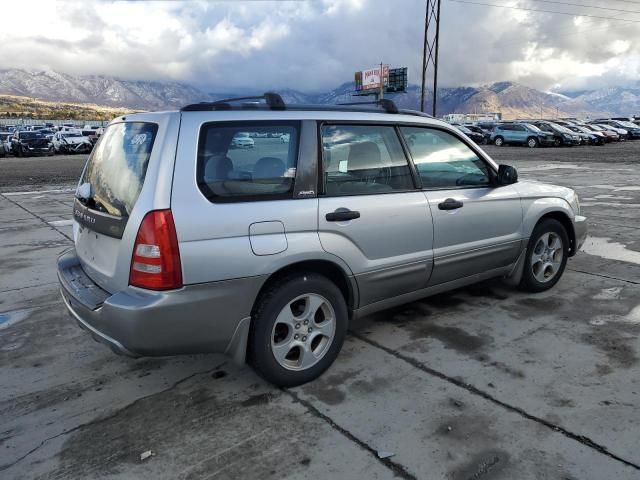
[(450, 204), (341, 215)]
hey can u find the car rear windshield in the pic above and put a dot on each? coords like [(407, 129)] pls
[(117, 167)]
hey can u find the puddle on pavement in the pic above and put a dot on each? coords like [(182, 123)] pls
[(628, 188), (604, 248), (609, 204), (605, 197), (61, 223), (553, 166), (608, 294), (8, 319)]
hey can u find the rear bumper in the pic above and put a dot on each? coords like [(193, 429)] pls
[(580, 229), (203, 318)]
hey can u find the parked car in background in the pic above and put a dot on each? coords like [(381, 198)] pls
[(475, 136), (610, 135), (26, 143), (242, 140), (71, 142), (91, 134), (5, 143), (623, 134), (633, 130), (520, 134), (587, 136), (284, 138), (562, 136), (486, 135)]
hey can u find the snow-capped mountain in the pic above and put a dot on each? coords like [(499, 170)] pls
[(98, 89), (511, 99)]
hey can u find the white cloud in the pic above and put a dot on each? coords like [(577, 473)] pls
[(313, 45)]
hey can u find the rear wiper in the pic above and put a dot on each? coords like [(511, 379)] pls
[(92, 203)]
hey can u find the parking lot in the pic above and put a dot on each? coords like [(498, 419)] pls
[(481, 383)]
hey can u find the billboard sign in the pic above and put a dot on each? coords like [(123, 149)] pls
[(371, 79)]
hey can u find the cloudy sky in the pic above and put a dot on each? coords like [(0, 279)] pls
[(317, 45)]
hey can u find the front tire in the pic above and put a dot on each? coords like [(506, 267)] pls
[(546, 259), (297, 330), (532, 142)]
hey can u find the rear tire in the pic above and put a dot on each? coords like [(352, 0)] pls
[(498, 141), (298, 327), (546, 259)]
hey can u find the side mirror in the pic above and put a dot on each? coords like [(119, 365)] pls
[(507, 175)]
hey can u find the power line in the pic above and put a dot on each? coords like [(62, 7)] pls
[(548, 11), (573, 32), (587, 6), (628, 1)]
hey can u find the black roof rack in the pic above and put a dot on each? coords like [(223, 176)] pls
[(385, 103), (272, 100)]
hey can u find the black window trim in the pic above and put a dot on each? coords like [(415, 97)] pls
[(204, 189), (417, 183), (493, 175)]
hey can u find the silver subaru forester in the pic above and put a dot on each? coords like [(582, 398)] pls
[(259, 229)]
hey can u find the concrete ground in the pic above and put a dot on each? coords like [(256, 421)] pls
[(481, 383)]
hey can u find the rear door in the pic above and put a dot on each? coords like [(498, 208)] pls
[(371, 214), (477, 226), (240, 201), (520, 133), (121, 182)]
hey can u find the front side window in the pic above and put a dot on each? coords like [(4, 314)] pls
[(363, 160), (244, 161), (444, 161)]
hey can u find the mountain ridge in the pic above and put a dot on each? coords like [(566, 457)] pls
[(512, 99)]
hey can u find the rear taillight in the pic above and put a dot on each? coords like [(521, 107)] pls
[(155, 264)]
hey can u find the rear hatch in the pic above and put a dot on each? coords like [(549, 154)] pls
[(106, 219)]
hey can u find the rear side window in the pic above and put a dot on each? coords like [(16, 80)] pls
[(243, 161), (363, 159), (444, 161), (117, 167)]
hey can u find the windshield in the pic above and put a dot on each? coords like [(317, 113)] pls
[(71, 135), (29, 135), (533, 128), (117, 167), (464, 129), (628, 124), (562, 129)]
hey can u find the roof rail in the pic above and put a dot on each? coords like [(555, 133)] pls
[(388, 105), (273, 100), (415, 113)]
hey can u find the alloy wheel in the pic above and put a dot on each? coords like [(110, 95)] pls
[(303, 332), (547, 257)]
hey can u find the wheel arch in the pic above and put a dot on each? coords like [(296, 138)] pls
[(566, 222), (334, 272), (237, 348)]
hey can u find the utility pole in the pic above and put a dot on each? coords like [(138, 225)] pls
[(430, 49)]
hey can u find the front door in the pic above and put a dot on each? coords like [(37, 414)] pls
[(477, 226), (371, 214)]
